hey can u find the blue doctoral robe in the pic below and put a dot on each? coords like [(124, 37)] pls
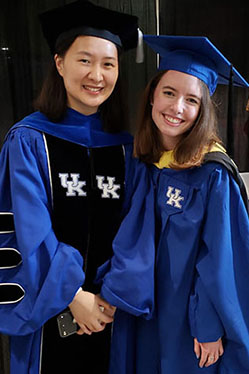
[(201, 278), (49, 272)]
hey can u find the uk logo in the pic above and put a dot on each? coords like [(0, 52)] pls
[(109, 189), (73, 185), (174, 195)]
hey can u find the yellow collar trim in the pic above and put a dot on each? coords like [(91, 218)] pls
[(167, 157), (165, 160)]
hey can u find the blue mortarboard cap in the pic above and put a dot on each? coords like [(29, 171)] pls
[(194, 55)]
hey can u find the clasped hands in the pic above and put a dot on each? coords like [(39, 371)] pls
[(91, 312)]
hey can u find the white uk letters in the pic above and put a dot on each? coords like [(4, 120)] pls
[(74, 186), (174, 197)]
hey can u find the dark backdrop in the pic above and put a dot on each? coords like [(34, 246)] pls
[(24, 56)]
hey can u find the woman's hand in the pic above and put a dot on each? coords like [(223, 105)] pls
[(208, 353), (91, 312)]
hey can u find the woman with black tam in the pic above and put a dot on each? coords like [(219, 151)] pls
[(63, 174)]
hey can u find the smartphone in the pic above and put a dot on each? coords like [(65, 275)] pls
[(66, 324)]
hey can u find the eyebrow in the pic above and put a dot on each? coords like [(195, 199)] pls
[(173, 89), (85, 53)]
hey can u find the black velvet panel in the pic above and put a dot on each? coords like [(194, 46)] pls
[(87, 202), (86, 210)]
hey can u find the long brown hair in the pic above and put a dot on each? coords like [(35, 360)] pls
[(52, 100), (148, 146)]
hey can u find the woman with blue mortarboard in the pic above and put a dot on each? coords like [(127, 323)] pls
[(64, 171), (201, 316)]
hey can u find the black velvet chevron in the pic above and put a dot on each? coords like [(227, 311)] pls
[(9, 257), (6, 222), (10, 293)]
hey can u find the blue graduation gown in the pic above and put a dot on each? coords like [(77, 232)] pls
[(201, 278), (50, 272)]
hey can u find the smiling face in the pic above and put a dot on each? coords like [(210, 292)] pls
[(175, 106), (90, 71)]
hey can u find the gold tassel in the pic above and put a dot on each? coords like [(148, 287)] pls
[(247, 105)]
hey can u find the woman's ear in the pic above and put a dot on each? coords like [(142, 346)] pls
[(59, 64)]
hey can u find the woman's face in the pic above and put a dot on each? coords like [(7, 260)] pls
[(90, 71), (175, 106)]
